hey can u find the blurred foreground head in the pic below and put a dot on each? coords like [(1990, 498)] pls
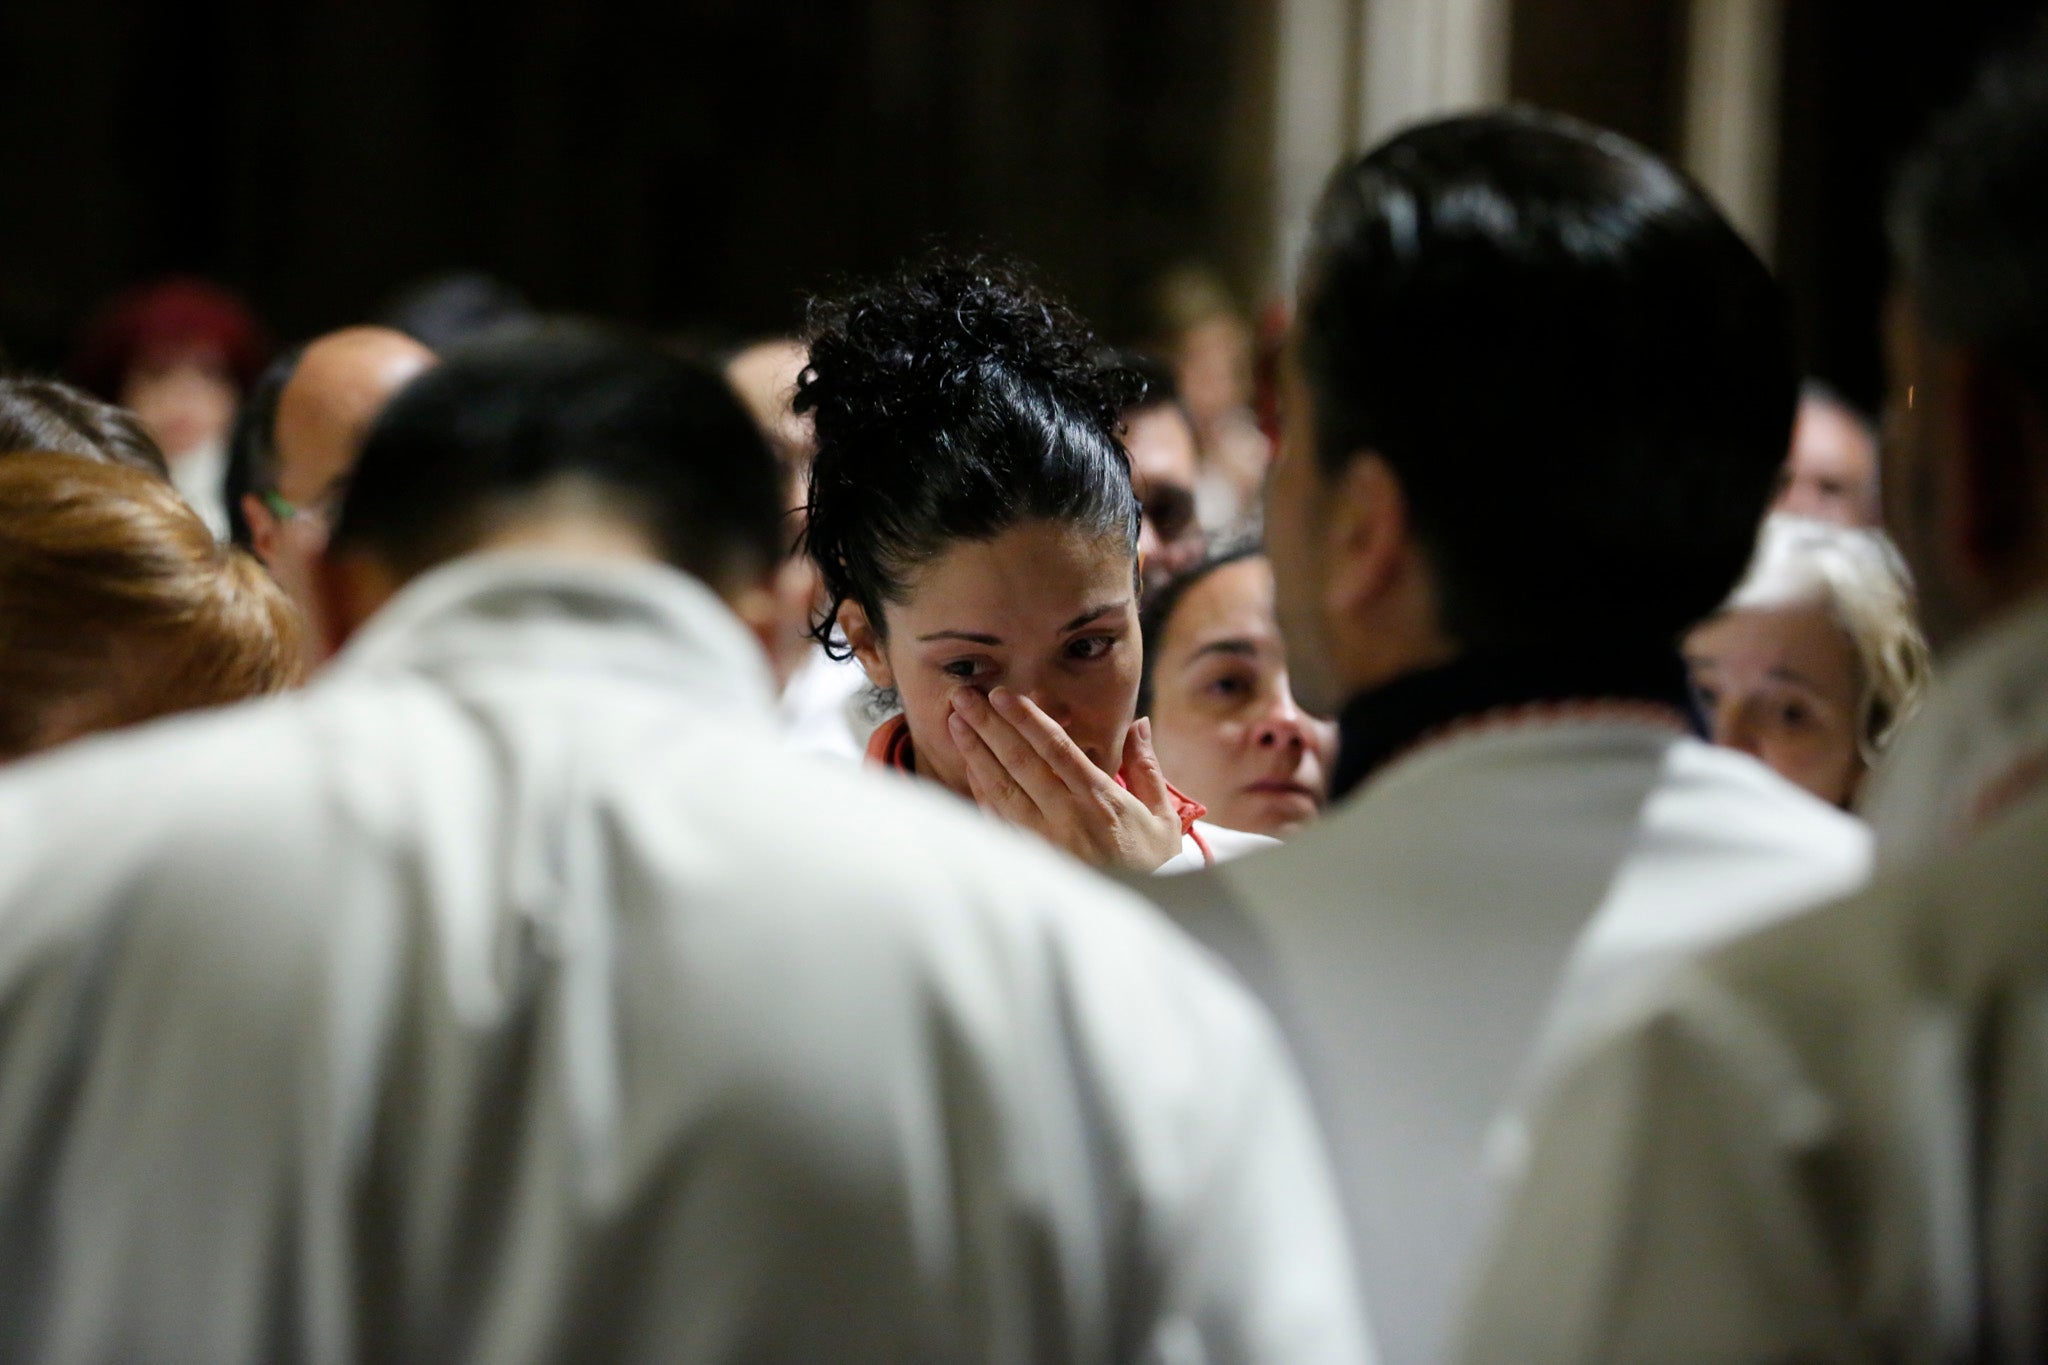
[(1540, 394), (1966, 477), (118, 605), (43, 414), (571, 442)]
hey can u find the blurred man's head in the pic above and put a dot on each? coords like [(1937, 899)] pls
[(1966, 459), (1160, 440), (1831, 473), (323, 409), (1539, 397), (570, 443)]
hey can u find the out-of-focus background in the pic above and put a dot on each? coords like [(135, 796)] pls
[(697, 165)]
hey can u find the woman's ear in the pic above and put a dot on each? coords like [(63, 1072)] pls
[(866, 643)]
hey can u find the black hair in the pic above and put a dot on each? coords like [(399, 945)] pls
[(1157, 617), (951, 403), (504, 421), (253, 465), (459, 306), (1968, 216), (48, 414), (1579, 374)]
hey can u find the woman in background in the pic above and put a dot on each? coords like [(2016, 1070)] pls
[(1816, 658), (117, 605), (972, 517), (1224, 720), (179, 354)]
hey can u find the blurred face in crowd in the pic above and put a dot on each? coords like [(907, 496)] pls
[(1215, 367), (1161, 445), (323, 414), (1831, 474), (1224, 720), (1783, 683), (1044, 610), (183, 397)]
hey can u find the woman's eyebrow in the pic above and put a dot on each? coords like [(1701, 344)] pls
[(1236, 647), (971, 637), (1094, 613)]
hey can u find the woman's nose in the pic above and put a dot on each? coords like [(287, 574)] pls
[(1281, 727)]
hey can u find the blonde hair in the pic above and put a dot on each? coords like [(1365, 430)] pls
[(118, 605), (1858, 576)]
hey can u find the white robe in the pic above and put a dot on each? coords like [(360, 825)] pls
[(510, 994), (1488, 892), (1829, 1142)]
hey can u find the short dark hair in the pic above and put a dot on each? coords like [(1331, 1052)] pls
[(951, 403), (253, 464), (46, 414), (503, 421), (1157, 617), (1968, 217), (1579, 373)]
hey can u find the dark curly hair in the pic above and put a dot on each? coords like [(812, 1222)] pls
[(952, 402)]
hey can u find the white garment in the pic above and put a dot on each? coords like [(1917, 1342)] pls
[(1979, 744), (1492, 889), (1830, 1141), (824, 707), (512, 994), (200, 475)]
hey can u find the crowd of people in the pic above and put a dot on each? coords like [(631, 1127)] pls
[(938, 837)]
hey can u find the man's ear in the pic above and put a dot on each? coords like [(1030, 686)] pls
[(263, 528), (776, 610), (1367, 541), (867, 644), (1998, 499), (351, 589)]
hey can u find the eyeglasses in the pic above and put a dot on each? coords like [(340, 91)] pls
[(320, 511)]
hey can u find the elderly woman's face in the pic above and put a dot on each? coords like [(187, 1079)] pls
[(1783, 683)]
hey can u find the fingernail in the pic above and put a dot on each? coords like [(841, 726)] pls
[(1002, 698)]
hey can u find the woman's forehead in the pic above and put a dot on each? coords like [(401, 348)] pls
[(1037, 576)]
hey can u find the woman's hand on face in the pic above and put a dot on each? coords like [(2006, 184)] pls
[(1024, 768)]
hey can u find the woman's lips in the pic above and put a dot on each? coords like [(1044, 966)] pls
[(1281, 786)]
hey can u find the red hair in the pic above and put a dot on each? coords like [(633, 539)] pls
[(170, 315)]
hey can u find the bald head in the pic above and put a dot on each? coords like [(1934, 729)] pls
[(340, 384), (764, 375)]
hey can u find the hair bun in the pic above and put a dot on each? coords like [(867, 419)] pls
[(912, 350)]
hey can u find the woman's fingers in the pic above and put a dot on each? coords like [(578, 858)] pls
[(1052, 744), (989, 782), (1141, 769), (1013, 750)]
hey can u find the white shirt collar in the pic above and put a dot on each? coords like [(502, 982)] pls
[(556, 613)]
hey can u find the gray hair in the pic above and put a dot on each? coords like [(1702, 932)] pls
[(1858, 576)]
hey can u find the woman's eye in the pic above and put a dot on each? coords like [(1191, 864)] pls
[(961, 668), (1093, 647), (1231, 687), (1794, 715)]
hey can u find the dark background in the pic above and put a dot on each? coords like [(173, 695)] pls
[(698, 165)]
